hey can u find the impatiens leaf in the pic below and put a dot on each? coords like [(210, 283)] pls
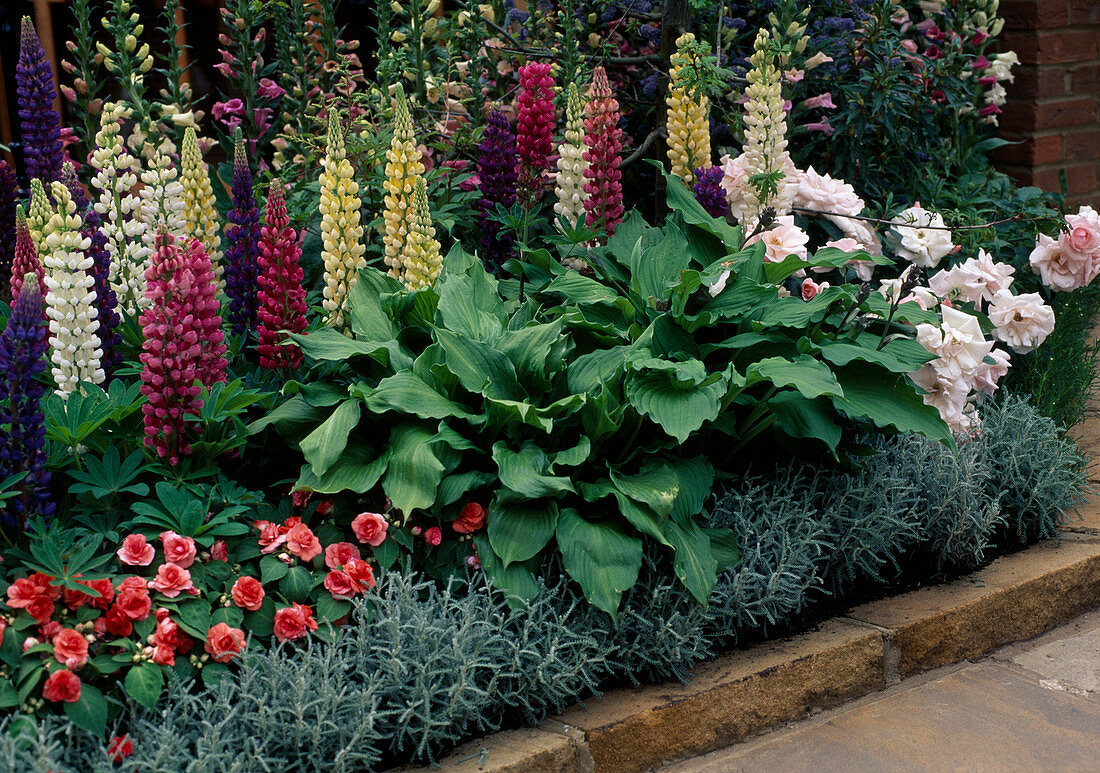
[(89, 712), (144, 683)]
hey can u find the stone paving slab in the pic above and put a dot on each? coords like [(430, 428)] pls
[(1067, 659), (978, 718)]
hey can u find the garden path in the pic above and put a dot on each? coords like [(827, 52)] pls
[(1030, 706)]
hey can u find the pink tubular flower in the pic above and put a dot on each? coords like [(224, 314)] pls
[(178, 550), (823, 100), (603, 142), (172, 580), (282, 307), (269, 89), (370, 528), (135, 551), (535, 122), (821, 126), (302, 542)]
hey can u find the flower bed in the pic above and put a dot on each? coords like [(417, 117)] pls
[(526, 439)]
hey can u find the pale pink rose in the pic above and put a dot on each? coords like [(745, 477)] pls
[(810, 288), (782, 239), (1021, 321), (178, 550), (958, 343), (988, 374), (973, 281), (865, 269), (923, 238), (135, 551), (947, 395), (1082, 240), (1059, 270)]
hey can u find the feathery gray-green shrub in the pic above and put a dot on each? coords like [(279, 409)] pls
[(426, 666)]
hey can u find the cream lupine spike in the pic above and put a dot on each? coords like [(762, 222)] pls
[(119, 210), (423, 261), (38, 213), (569, 180), (688, 119), (341, 233), (70, 298), (161, 201), (765, 147), (200, 211), (404, 165)]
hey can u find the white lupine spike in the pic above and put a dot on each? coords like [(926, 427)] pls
[(765, 147), (569, 185)]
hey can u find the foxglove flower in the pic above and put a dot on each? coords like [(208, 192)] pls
[(688, 118), (242, 244), (708, 191), (404, 166), (175, 351), (26, 259), (116, 174), (38, 121), (341, 232), (569, 186), (200, 211), (9, 196), (281, 296), (23, 435), (423, 261), (70, 298), (106, 301), (603, 139), (497, 175), (535, 123)]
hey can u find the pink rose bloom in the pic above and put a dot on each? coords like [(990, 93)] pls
[(810, 289), (172, 580), (1060, 269), (433, 536), (370, 528), (782, 239), (302, 542), (1082, 241), (178, 549), (135, 551), (1021, 321), (339, 553), (987, 375)]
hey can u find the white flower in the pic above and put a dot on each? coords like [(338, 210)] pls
[(924, 240), (783, 239), (821, 191), (988, 374), (1021, 321), (958, 343), (740, 194), (944, 393), (921, 296), (720, 285), (973, 281), (1000, 66)]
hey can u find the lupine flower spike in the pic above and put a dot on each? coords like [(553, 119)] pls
[(119, 211), (571, 163), (341, 233), (497, 172), (39, 213), (603, 138), (242, 244), (200, 212), (281, 296), (765, 147), (106, 301), (38, 121), (22, 444), (534, 124), (404, 165), (688, 121), (9, 196), (26, 258), (70, 298), (161, 199), (709, 192), (423, 261)]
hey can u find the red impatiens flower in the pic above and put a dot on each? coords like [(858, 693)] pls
[(62, 685)]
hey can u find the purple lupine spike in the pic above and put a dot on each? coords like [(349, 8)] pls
[(106, 301), (39, 123), (9, 197), (23, 346), (243, 245), (708, 191), (496, 169)]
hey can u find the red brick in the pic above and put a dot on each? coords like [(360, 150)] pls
[(1085, 11), (1031, 151), (1082, 145), (1067, 112), (1073, 203), (1034, 14), (1086, 79), (1082, 178), (1055, 46), (1037, 81)]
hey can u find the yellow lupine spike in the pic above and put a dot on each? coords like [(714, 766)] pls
[(200, 212), (422, 259), (341, 233), (404, 165), (688, 121), (39, 213)]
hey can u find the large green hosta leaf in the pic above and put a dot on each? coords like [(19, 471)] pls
[(330, 345), (524, 472), (888, 401), (519, 530), (405, 392), (480, 368), (809, 376), (600, 557), (470, 305), (414, 471), (529, 350), (357, 470), (368, 320), (803, 418), (324, 445), (694, 561), (675, 398)]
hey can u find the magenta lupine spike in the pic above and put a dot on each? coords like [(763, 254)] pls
[(281, 296), (243, 245), (9, 196), (106, 301), (709, 192), (497, 172), (26, 260), (535, 123), (39, 123), (182, 333), (603, 139), (23, 346)]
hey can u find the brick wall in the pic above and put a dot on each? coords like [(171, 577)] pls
[(1054, 102)]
